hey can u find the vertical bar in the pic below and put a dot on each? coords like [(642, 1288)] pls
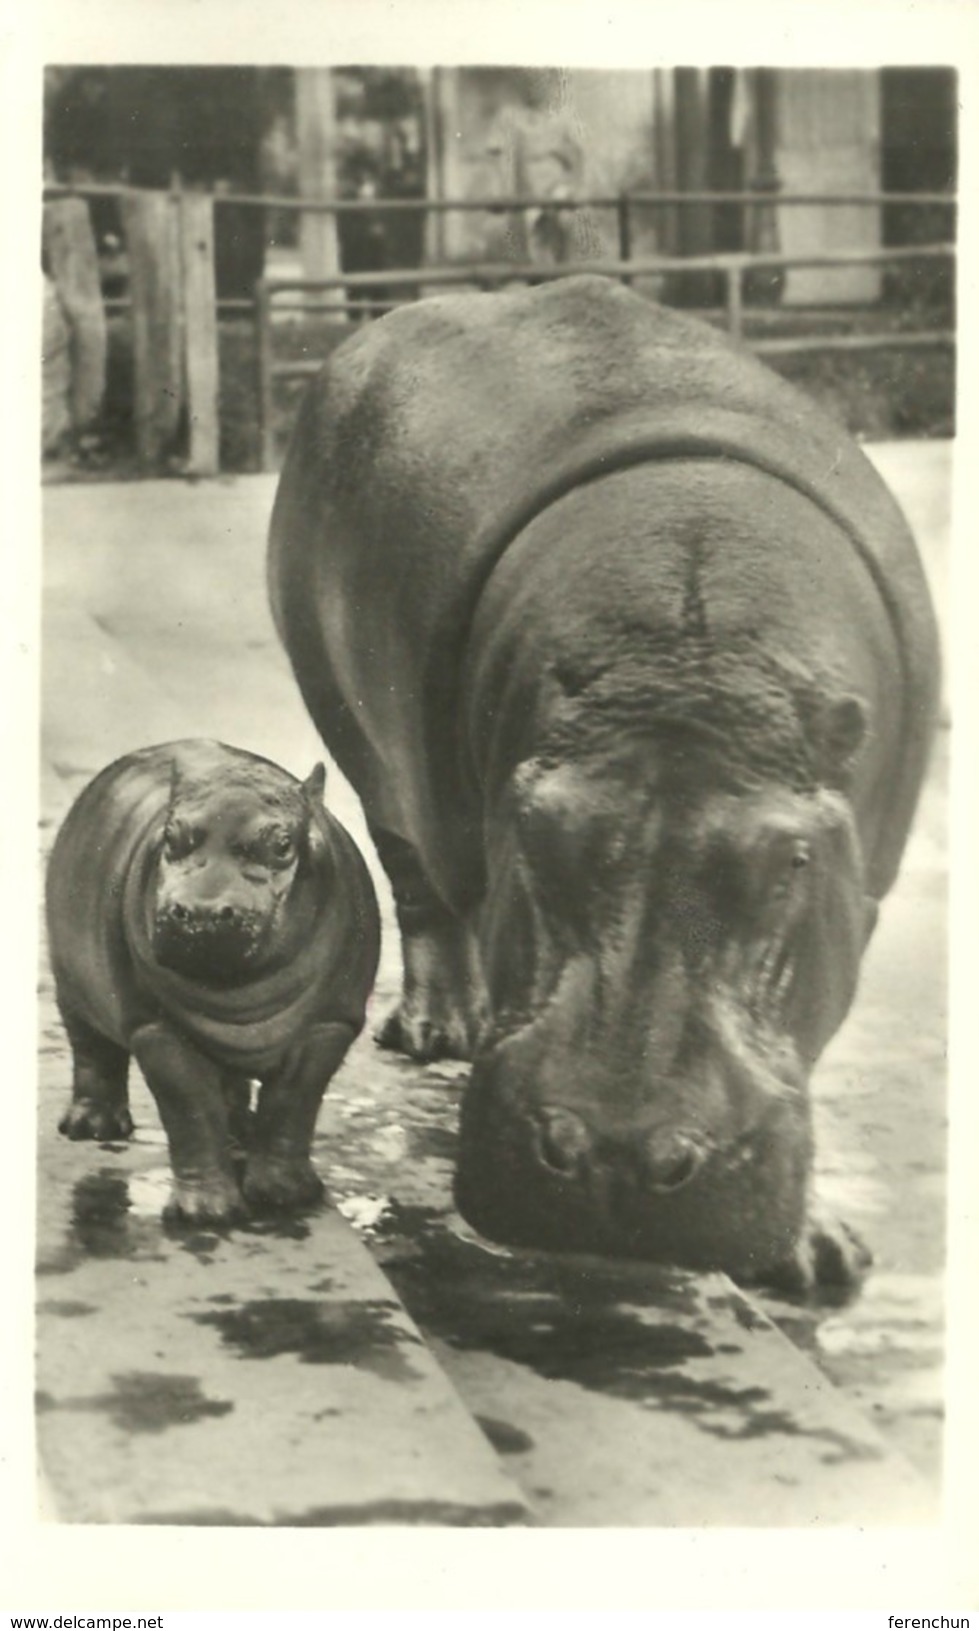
[(69, 245), (263, 359), (434, 236), (735, 309), (196, 213), (316, 133), (150, 221), (625, 231)]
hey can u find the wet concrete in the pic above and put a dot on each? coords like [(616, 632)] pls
[(609, 1393), (227, 1377)]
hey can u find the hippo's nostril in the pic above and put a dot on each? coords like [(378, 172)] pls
[(671, 1163), (563, 1140), (179, 912), (226, 914)]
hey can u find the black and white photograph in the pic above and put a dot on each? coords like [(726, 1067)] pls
[(495, 597)]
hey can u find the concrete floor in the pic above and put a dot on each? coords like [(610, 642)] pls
[(155, 626)]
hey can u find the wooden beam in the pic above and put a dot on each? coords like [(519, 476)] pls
[(317, 143), (152, 242), (69, 247), (200, 331)]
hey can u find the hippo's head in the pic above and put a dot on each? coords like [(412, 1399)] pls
[(667, 949), (230, 852)]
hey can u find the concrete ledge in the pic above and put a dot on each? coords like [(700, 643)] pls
[(626, 1394), (267, 1376)]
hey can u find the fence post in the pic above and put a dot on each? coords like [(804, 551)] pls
[(263, 360), (317, 147), (200, 331), (735, 307), (69, 247), (625, 231), (152, 242)]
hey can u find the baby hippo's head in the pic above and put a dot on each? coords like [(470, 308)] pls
[(232, 847)]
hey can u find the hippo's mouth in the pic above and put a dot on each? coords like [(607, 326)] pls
[(220, 951), (740, 1208)]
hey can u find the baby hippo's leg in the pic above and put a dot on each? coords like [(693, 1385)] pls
[(189, 1094), (99, 1105), (279, 1171)]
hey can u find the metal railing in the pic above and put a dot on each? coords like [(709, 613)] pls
[(377, 291), (733, 267), (759, 198)]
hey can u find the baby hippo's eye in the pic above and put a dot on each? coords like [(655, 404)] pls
[(180, 840), (281, 846), (790, 871)]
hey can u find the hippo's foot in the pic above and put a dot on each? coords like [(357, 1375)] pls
[(829, 1263), (275, 1183), (88, 1118), (424, 1035), (204, 1200)]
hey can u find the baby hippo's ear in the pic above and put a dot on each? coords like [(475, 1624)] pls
[(314, 784), (313, 794)]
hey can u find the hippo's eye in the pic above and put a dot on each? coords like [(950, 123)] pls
[(180, 840), (790, 871), (277, 847)]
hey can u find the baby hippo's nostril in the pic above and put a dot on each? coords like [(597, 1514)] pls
[(670, 1161), (226, 914), (181, 913), (563, 1140)]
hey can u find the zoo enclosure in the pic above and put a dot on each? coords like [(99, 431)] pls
[(173, 305)]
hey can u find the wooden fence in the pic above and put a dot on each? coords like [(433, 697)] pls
[(174, 309)]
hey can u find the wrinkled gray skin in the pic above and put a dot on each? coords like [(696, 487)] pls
[(628, 652), (209, 918)]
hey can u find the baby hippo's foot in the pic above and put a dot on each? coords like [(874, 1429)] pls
[(88, 1118), (215, 1199), (281, 1183), (829, 1264)]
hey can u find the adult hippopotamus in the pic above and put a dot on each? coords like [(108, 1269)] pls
[(207, 916), (628, 652)]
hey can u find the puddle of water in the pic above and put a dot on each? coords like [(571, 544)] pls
[(368, 1335), (469, 1291), (145, 1402), (102, 1224)]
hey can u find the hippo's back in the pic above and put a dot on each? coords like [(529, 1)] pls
[(431, 438)]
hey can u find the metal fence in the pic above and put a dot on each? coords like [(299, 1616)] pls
[(418, 282), (376, 291)]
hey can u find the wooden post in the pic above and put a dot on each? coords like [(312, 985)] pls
[(667, 217), (432, 92), (317, 142), (69, 246), (828, 136), (695, 220), (152, 242), (200, 331), (263, 359), (734, 302)]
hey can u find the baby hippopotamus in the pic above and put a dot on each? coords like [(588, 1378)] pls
[(209, 918)]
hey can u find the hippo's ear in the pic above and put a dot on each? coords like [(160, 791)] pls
[(314, 784), (842, 731)]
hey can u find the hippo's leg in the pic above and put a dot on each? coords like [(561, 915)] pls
[(189, 1095), (439, 1012), (279, 1173), (99, 1105)]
